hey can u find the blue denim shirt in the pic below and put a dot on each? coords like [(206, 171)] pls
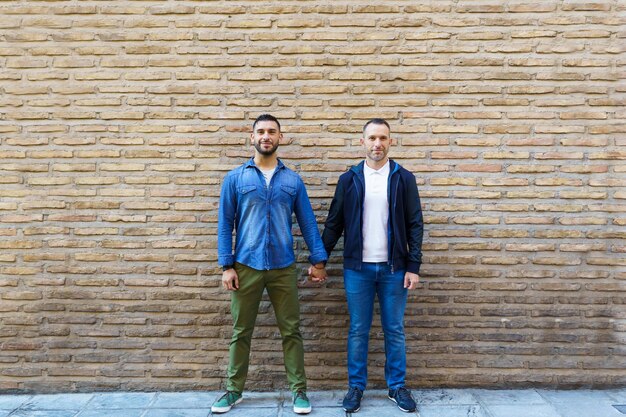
[(262, 218)]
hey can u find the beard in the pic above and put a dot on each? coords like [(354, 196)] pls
[(377, 156), (265, 152)]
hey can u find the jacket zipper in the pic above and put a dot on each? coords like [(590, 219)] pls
[(392, 211), (356, 184), (395, 201)]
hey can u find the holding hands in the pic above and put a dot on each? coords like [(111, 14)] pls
[(317, 272)]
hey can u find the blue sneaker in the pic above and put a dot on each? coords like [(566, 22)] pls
[(352, 400), (403, 399)]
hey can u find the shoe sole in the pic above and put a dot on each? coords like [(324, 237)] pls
[(400, 408), (221, 410), (351, 411), (302, 410)]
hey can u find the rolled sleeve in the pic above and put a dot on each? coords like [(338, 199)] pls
[(308, 225), (226, 222)]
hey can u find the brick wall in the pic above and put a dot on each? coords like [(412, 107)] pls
[(118, 120)]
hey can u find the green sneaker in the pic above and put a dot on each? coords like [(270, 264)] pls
[(301, 404), (226, 402)]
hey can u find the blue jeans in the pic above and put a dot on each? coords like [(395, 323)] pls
[(361, 288)]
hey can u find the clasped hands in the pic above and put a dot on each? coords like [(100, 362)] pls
[(317, 273)]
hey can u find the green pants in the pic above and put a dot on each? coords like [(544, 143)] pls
[(282, 289)]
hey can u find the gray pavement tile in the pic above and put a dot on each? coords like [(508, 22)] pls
[(57, 402), (121, 400), (111, 413), (508, 397), (185, 400), (432, 410), (177, 413), (592, 409), (261, 399), (525, 410), (11, 402), (444, 396), (388, 410), (320, 412), (247, 412), (618, 395), (577, 396), (44, 413)]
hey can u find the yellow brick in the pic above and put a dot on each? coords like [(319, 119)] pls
[(475, 220), (453, 181), (376, 36), (121, 167), (326, 8), (410, 76), (249, 23), (112, 192), (300, 102), (454, 129), (125, 115), (314, 115), (95, 257), (484, 36), (171, 36), (95, 231), (97, 180), (349, 21), (403, 22), (20, 271), (96, 75), (299, 23)]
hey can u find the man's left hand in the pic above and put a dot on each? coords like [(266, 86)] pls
[(317, 273), (411, 280)]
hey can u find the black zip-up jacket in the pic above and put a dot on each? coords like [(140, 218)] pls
[(406, 225)]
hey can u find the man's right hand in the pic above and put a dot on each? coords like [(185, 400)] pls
[(230, 280), (317, 273)]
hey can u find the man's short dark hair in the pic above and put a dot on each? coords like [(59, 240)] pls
[(376, 121), (265, 117)]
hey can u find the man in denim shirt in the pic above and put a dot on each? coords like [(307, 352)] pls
[(258, 200)]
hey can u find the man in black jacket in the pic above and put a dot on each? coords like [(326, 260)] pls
[(377, 208)]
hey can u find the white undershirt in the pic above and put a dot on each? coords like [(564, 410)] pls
[(375, 214), (268, 174)]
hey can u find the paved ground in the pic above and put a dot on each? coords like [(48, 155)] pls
[(431, 403)]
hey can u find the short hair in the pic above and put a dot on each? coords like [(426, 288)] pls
[(265, 117), (376, 121)]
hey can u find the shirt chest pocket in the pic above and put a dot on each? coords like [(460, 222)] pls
[(245, 189), (247, 192), (286, 195)]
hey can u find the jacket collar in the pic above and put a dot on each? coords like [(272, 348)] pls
[(358, 169)]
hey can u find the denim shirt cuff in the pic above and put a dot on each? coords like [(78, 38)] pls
[(226, 260), (316, 258)]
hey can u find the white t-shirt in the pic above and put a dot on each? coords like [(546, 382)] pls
[(268, 174), (375, 214)]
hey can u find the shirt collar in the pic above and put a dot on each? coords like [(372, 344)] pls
[(384, 170), (250, 163)]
